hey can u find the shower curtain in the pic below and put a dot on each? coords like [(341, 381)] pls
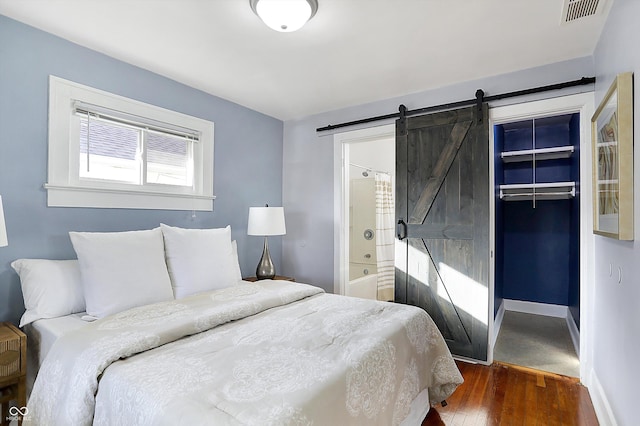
[(385, 238)]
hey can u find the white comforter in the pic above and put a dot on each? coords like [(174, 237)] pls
[(269, 353)]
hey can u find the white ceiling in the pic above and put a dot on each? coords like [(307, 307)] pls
[(352, 52)]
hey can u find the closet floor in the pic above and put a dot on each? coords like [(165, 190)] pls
[(537, 341)]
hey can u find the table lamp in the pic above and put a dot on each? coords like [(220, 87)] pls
[(265, 221)]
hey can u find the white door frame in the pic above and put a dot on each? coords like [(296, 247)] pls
[(582, 103), (341, 143)]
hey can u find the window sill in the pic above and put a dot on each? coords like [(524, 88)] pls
[(92, 197)]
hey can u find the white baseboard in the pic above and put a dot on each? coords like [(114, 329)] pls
[(497, 323), (574, 332), (600, 401), (547, 309)]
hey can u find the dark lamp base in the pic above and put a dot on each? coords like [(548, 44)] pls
[(265, 269)]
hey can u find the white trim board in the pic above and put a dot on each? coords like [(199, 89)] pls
[(574, 332), (497, 323), (537, 308), (600, 402)]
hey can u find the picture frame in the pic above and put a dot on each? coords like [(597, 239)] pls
[(612, 145)]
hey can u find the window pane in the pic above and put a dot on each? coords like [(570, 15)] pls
[(168, 159), (109, 151)]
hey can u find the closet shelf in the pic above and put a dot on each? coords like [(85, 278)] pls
[(538, 191), (540, 154)]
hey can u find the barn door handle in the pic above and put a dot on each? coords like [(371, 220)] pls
[(401, 230)]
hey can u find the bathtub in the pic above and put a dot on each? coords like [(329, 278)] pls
[(365, 287)]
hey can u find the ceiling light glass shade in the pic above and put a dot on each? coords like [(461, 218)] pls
[(284, 15)]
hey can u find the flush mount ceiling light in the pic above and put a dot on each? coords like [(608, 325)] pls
[(284, 15)]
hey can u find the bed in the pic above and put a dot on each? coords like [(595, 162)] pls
[(264, 353), (41, 335)]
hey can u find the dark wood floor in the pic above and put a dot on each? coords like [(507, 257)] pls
[(502, 394)]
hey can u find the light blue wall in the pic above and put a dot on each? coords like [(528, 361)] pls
[(308, 175), (616, 318), (248, 154)]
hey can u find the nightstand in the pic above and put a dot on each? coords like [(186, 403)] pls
[(277, 277), (13, 371)]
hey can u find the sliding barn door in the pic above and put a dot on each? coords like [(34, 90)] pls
[(442, 210)]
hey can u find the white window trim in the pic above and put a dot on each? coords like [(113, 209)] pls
[(64, 187)]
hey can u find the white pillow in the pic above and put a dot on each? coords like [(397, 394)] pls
[(50, 288), (235, 263), (200, 260), (121, 270)]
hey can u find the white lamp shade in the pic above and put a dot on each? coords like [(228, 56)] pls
[(284, 15), (266, 221), (3, 229)]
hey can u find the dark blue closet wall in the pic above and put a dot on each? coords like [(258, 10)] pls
[(536, 251), (537, 248)]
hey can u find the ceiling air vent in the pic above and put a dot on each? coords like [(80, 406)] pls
[(577, 9)]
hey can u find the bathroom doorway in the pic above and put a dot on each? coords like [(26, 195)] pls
[(365, 231)]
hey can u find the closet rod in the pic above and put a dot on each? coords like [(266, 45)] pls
[(581, 82)]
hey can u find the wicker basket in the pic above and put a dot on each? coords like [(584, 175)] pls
[(12, 352)]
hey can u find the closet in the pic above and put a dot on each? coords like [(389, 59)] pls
[(537, 211)]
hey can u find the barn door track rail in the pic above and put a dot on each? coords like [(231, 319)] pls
[(478, 101)]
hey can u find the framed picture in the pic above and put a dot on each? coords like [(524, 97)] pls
[(612, 139)]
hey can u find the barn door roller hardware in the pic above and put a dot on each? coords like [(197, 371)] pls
[(478, 101), (402, 121)]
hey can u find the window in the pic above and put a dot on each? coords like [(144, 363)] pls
[(109, 151)]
